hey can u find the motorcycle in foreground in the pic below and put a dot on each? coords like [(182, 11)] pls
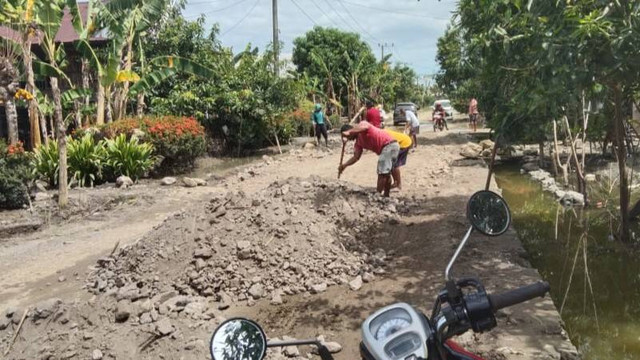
[(399, 331)]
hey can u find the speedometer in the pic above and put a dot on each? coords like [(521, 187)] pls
[(391, 327)]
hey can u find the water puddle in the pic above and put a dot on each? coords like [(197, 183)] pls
[(595, 280)]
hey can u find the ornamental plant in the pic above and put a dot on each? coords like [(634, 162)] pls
[(179, 140)]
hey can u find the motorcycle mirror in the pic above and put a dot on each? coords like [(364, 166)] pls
[(238, 339), (488, 213)]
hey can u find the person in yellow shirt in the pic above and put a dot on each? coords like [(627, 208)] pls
[(405, 143)]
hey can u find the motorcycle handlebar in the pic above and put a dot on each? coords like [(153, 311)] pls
[(517, 296)]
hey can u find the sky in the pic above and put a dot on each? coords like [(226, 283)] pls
[(409, 28)]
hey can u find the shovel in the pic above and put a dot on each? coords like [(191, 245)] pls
[(341, 157)]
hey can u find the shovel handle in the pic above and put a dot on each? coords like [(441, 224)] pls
[(341, 157)]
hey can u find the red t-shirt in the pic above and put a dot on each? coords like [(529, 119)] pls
[(373, 139), (373, 117)]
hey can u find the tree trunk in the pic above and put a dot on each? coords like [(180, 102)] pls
[(100, 110), (84, 68), (582, 185), (140, 106), (621, 152), (77, 114), (563, 167), (120, 101), (541, 151), (12, 116), (63, 195), (34, 115), (109, 116)]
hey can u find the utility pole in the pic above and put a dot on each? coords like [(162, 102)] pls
[(276, 42), (381, 46)]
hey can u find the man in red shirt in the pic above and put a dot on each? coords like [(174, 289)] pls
[(369, 137), (373, 115)]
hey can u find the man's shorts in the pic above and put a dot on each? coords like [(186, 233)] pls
[(415, 130), (388, 158), (402, 158), (473, 118)]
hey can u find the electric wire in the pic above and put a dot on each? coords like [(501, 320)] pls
[(218, 10), (241, 20), (340, 16), (391, 11), (325, 14), (304, 12), (357, 23)]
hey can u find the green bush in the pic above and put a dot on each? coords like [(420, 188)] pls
[(127, 157), (15, 174), (85, 157), (46, 162)]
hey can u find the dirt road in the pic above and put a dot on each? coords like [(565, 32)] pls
[(420, 243)]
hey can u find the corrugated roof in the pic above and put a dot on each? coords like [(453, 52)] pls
[(66, 33)]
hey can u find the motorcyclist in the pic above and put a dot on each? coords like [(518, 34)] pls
[(439, 112)]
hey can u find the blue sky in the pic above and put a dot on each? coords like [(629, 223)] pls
[(412, 26)]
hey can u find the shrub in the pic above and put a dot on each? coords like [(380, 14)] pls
[(122, 126), (85, 157), (15, 173), (46, 162), (179, 140), (127, 157)]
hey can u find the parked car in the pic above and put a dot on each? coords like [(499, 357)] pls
[(398, 118), (446, 105)]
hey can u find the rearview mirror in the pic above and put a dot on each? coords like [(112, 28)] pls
[(488, 213), (238, 339)]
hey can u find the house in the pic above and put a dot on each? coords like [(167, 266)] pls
[(66, 36)]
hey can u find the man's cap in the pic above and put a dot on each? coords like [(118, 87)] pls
[(318, 107)]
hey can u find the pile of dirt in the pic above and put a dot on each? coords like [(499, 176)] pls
[(296, 236)]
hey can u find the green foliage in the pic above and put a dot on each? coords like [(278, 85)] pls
[(178, 140), (15, 174), (127, 157), (45, 162), (85, 157)]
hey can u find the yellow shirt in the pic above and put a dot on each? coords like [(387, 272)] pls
[(403, 140)]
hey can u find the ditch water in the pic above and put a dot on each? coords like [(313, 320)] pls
[(595, 280)]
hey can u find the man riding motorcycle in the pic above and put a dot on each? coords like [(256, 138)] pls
[(439, 118)]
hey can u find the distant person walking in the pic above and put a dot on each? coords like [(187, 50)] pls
[(372, 116), (412, 126), (318, 118), (369, 137), (383, 115), (405, 145), (473, 114)]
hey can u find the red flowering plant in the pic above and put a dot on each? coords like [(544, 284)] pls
[(15, 174), (179, 140)]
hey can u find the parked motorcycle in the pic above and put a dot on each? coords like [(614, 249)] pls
[(399, 331)]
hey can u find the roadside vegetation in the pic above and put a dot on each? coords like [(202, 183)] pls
[(546, 72), (155, 91)]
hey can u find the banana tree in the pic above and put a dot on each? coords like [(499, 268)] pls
[(21, 16), (8, 87), (50, 17), (357, 66)]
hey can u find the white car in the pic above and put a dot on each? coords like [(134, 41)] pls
[(446, 105)]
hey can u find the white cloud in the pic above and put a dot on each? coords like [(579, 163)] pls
[(412, 26)]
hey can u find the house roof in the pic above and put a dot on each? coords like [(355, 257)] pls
[(66, 33)]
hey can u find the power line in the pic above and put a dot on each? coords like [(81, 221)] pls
[(340, 16), (221, 9), (243, 18), (304, 12), (392, 11), (357, 23), (325, 13)]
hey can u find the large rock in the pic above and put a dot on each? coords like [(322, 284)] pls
[(487, 144), (530, 166), (123, 311), (572, 198), (168, 181), (189, 182), (123, 181), (256, 291), (47, 308), (356, 283), (164, 327), (471, 150)]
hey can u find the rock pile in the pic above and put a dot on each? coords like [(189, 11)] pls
[(474, 151), (566, 197), (245, 248)]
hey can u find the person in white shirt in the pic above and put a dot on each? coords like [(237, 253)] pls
[(412, 126), (383, 115)]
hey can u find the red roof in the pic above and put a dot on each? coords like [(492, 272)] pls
[(66, 33)]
